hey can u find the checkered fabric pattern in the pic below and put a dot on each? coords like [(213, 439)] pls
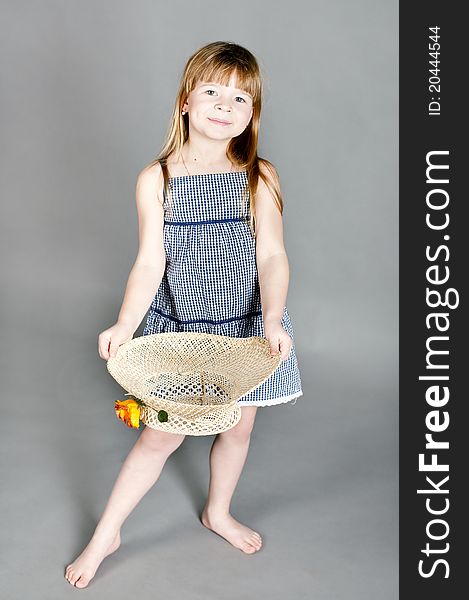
[(210, 283)]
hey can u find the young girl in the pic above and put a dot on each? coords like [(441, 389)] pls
[(211, 259)]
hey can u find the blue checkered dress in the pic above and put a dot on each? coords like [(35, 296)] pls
[(210, 283)]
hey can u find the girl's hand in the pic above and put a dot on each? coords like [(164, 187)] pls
[(280, 341), (110, 339)]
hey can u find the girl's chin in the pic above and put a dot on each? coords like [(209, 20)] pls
[(219, 134), (215, 132)]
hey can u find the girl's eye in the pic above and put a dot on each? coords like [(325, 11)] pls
[(209, 92)]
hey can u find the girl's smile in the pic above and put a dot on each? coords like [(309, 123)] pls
[(219, 122)]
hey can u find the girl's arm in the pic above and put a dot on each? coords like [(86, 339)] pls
[(272, 267), (147, 272)]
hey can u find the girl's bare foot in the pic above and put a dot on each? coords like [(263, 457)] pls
[(233, 531), (80, 572)]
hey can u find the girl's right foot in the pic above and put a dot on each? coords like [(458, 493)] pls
[(239, 535), (80, 572)]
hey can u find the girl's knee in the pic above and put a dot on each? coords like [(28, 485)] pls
[(162, 441), (240, 432)]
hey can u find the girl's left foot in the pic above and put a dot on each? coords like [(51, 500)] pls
[(233, 531)]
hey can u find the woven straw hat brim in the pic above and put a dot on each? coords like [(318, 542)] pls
[(245, 363), (216, 421), (197, 378)]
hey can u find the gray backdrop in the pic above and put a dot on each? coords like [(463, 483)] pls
[(88, 88)]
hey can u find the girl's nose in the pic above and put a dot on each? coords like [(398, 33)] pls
[(223, 105)]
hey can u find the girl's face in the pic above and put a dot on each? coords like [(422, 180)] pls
[(218, 111)]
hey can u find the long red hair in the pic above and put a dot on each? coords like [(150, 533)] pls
[(216, 62)]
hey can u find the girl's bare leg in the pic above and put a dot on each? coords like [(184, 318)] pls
[(227, 457), (139, 472)]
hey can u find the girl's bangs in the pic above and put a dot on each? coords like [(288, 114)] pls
[(221, 74)]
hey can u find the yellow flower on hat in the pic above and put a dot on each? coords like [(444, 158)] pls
[(129, 412)]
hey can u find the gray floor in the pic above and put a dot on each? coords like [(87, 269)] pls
[(320, 485)]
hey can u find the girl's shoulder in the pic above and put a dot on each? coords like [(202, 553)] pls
[(150, 180), (268, 193), (268, 172)]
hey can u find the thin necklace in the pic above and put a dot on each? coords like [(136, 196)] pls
[(184, 162)]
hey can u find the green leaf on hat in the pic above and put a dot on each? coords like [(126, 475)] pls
[(162, 416)]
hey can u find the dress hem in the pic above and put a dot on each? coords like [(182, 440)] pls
[(272, 401)]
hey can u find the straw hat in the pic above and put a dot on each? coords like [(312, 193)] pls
[(190, 382)]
